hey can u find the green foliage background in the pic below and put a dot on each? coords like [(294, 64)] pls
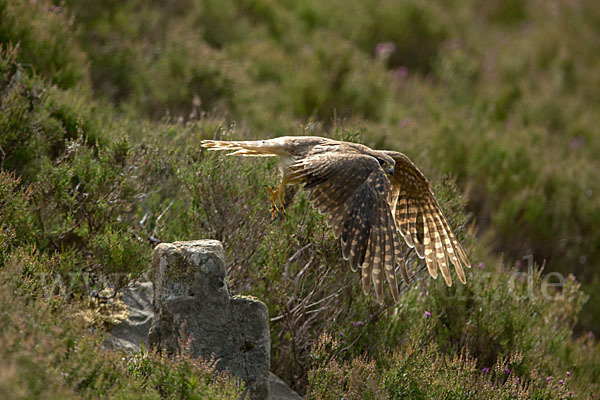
[(102, 109)]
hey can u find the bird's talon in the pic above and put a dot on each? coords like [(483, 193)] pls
[(277, 212), (274, 211)]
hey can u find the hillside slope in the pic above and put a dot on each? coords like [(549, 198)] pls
[(104, 104)]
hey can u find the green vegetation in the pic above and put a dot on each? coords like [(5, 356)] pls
[(102, 109)]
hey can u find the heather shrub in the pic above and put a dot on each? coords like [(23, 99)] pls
[(37, 119), (43, 33), (498, 351), (46, 356), (16, 222)]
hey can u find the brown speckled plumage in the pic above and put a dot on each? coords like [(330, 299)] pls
[(370, 198)]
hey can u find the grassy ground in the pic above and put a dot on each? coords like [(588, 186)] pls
[(103, 106)]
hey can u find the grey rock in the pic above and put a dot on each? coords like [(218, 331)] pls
[(280, 390), (139, 298), (132, 332), (191, 300)]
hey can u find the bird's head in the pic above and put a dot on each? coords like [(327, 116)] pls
[(386, 162)]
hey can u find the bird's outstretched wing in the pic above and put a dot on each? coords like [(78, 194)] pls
[(421, 222), (355, 193), (253, 148)]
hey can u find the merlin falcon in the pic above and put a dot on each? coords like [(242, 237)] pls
[(370, 198)]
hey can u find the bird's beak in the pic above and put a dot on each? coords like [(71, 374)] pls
[(391, 171)]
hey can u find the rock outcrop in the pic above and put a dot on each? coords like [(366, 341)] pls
[(191, 299), (280, 390), (139, 299), (131, 333)]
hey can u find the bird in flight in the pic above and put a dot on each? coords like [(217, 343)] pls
[(370, 198)]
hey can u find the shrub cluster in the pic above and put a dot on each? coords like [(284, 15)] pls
[(102, 109)]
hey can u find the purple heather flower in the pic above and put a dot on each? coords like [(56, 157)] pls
[(506, 370), (591, 334), (481, 265), (519, 264), (427, 314), (405, 123), (561, 382), (485, 370), (384, 50), (400, 73), (568, 374), (518, 380), (548, 379), (577, 142), (356, 324)]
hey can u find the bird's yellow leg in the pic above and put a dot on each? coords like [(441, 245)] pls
[(277, 198), (273, 198), (281, 195)]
